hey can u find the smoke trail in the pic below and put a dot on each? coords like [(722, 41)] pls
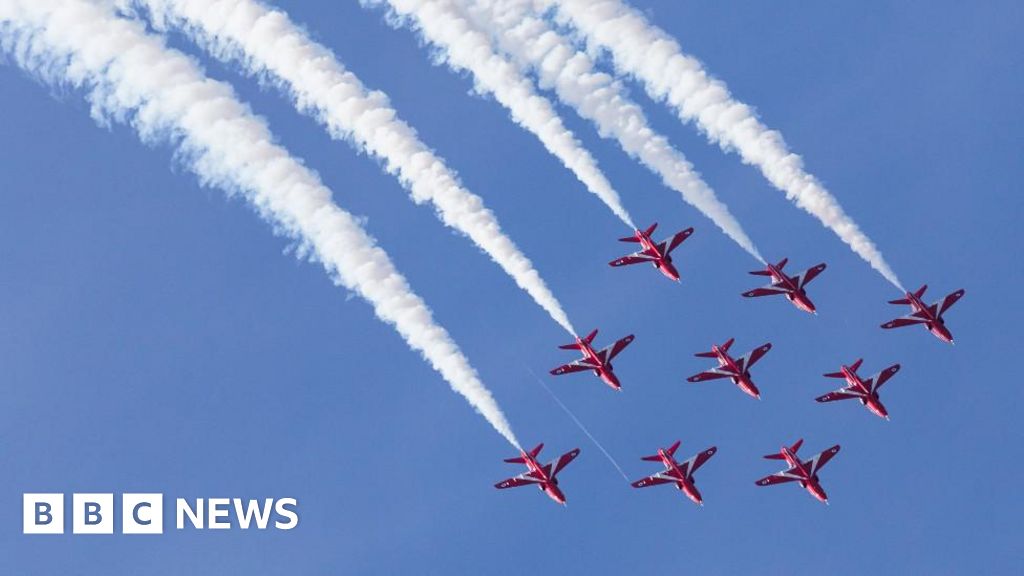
[(652, 56), (132, 77), (580, 425), (269, 45), (597, 97), (463, 48)]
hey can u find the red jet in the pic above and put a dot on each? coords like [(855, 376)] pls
[(791, 286), (930, 316), (804, 472), (736, 369), (545, 477), (656, 254), (681, 474), (864, 390), (600, 361)]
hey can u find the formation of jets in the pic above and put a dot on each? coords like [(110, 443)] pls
[(680, 474)]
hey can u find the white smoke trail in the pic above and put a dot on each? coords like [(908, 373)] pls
[(464, 48), (132, 77), (269, 45), (533, 44), (649, 54)]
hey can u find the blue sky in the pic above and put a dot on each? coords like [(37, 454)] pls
[(157, 337)]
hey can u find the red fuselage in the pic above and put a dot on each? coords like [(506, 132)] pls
[(604, 370), (663, 262), (743, 380), (794, 294), (936, 325), (809, 481), (548, 484), (870, 398), (686, 485)]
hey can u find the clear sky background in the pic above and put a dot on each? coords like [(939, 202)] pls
[(157, 337)]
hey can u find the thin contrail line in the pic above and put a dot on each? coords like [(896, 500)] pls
[(580, 424)]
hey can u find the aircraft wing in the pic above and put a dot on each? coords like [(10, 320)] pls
[(753, 356), (779, 478), (948, 301), (768, 290), (663, 477), (698, 460), (820, 459), (634, 258), (713, 374), (841, 394), (805, 277), (614, 350), (524, 479), (563, 461), (673, 242), (908, 320), (580, 365), (876, 381)]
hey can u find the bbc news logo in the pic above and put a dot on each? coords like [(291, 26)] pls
[(144, 513)]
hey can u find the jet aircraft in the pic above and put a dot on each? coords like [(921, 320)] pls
[(791, 286), (803, 471), (678, 473), (600, 361), (544, 477), (738, 369), (658, 254)]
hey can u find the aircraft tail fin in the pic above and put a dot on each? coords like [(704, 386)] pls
[(654, 458), (650, 230), (522, 459), (629, 239), (918, 294), (672, 449), (706, 355), (576, 345), (856, 365), (782, 264), (760, 273), (728, 344), (780, 456), (835, 375)]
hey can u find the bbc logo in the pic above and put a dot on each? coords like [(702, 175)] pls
[(93, 513)]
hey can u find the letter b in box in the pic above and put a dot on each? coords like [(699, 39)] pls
[(43, 513), (92, 513)]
